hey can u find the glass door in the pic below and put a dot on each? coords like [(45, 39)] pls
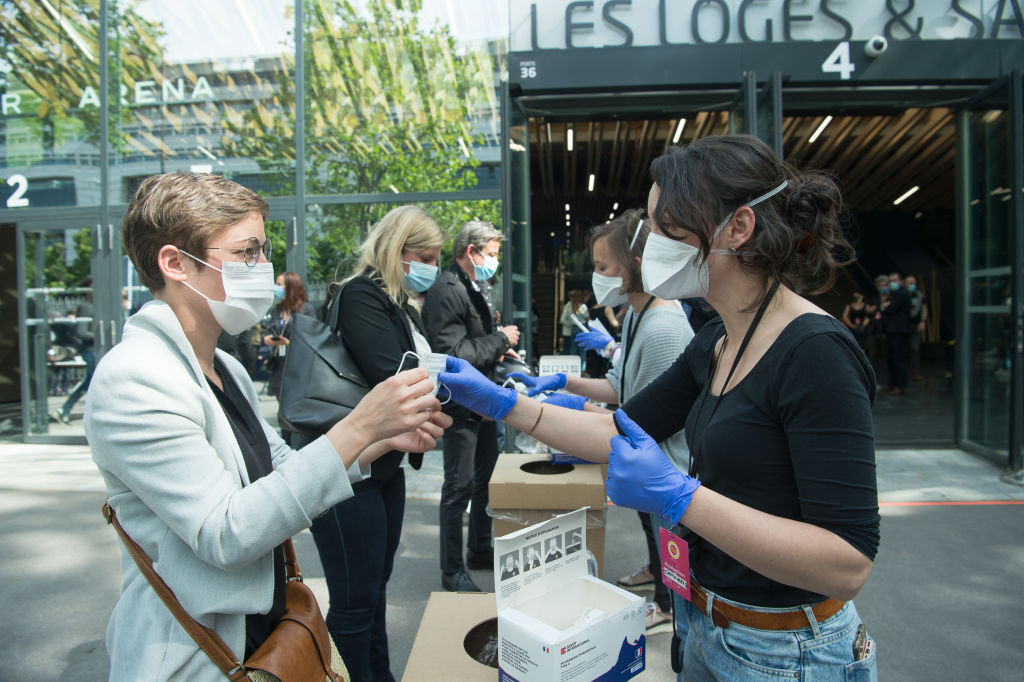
[(515, 178), (59, 332), (991, 225)]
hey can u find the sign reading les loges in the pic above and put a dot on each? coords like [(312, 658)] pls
[(623, 23)]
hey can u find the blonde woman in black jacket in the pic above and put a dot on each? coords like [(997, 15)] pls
[(358, 537)]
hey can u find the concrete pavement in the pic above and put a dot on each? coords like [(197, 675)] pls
[(944, 599)]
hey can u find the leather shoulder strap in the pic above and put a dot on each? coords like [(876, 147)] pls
[(208, 640)]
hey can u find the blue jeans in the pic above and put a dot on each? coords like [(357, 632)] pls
[(90, 366), (822, 651), (357, 540)]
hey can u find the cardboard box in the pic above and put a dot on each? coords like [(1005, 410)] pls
[(527, 489), (449, 625), (556, 622)]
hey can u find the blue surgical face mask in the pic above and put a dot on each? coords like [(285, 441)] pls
[(420, 275), (894, 286), (278, 292), (911, 288), (487, 269)]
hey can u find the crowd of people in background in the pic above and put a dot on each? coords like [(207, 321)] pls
[(889, 326)]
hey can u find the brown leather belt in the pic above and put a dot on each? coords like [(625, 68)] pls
[(722, 614)]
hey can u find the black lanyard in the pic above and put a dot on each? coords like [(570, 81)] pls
[(627, 342), (698, 448)]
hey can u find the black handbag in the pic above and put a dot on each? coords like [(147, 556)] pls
[(321, 382)]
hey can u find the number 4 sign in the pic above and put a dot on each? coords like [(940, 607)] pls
[(839, 62)]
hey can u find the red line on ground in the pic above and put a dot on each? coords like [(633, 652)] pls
[(950, 503)]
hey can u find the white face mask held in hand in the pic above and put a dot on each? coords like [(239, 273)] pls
[(671, 269), (434, 363), (248, 294)]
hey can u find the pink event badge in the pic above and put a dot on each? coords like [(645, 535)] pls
[(675, 563)]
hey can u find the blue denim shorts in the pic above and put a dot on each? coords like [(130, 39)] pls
[(822, 651)]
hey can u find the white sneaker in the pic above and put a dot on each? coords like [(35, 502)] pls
[(657, 620)]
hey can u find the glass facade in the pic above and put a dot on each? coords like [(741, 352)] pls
[(335, 111)]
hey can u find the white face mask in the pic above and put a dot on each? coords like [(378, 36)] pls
[(674, 270), (608, 290), (248, 294), (434, 363)]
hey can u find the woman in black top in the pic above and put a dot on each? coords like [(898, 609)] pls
[(357, 538), (780, 509)]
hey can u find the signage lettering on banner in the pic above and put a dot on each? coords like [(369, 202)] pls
[(577, 24)]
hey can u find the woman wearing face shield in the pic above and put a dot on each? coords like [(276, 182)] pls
[(779, 507), (358, 537), (195, 475)]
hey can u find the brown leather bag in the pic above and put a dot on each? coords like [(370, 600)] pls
[(297, 650)]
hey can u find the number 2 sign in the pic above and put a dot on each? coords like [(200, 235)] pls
[(20, 185)]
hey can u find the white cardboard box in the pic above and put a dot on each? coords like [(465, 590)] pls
[(557, 623)]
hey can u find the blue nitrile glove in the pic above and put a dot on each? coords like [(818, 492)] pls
[(548, 382), (473, 390), (573, 402), (641, 477), (593, 340)]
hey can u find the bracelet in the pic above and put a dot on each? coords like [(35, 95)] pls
[(539, 415)]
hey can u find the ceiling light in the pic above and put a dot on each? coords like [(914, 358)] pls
[(611, 216), (679, 131), (905, 195), (568, 140), (567, 207), (567, 216), (590, 184), (552, 234), (615, 206), (820, 130)]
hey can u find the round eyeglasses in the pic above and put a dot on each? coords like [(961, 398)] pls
[(250, 253)]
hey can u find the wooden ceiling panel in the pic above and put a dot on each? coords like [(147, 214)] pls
[(876, 157)]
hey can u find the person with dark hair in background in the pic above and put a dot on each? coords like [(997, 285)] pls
[(86, 342), (460, 321), (918, 325), (289, 299), (895, 311), (856, 318), (780, 506)]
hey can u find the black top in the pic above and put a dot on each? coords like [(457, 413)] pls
[(377, 332), (256, 452), (793, 438), (896, 316), (460, 322)]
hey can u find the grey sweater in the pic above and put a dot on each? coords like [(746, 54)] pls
[(660, 338)]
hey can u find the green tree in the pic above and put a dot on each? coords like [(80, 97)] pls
[(389, 102)]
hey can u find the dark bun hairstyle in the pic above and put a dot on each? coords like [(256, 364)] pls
[(799, 235)]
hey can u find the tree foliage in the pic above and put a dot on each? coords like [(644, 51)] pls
[(389, 103)]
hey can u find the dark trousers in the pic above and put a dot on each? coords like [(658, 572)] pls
[(357, 540), (470, 452), (897, 354), (654, 556), (79, 391)]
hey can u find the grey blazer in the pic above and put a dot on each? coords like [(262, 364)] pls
[(176, 478)]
